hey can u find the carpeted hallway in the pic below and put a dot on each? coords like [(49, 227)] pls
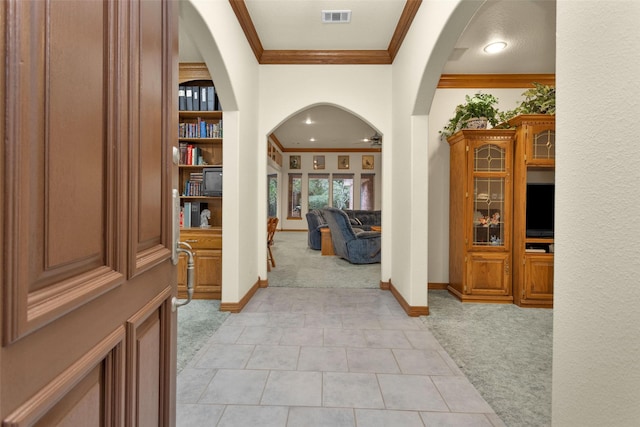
[(504, 351)]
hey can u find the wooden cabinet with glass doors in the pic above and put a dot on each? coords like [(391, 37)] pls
[(533, 247), (480, 214)]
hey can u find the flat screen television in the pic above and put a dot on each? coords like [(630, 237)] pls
[(212, 181), (540, 210)]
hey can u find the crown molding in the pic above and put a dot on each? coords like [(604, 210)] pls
[(318, 57), (331, 150), (491, 81), (276, 141), (408, 13), (242, 13)]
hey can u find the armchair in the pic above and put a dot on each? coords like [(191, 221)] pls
[(358, 248), (315, 222)]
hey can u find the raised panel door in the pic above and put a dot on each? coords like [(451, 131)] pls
[(208, 273), (538, 277), (87, 279), (488, 274)]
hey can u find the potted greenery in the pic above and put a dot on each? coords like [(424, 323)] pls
[(540, 99), (479, 106)]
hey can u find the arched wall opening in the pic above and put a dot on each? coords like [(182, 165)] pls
[(416, 72), (219, 39), (331, 168)]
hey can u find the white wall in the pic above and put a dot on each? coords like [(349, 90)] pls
[(596, 338), (364, 90), (416, 71), (331, 167), (442, 109)]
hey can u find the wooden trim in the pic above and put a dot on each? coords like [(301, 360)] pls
[(318, 57), (192, 71), (486, 81), (331, 150), (411, 310), (294, 229), (276, 141), (263, 283), (242, 13), (408, 13), (236, 307), (508, 299), (438, 286)]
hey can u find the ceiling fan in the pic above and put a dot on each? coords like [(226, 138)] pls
[(376, 139)]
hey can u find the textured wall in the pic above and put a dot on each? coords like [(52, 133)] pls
[(596, 376)]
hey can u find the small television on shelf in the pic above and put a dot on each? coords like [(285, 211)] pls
[(212, 181), (540, 209)]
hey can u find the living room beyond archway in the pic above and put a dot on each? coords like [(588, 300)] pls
[(323, 157)]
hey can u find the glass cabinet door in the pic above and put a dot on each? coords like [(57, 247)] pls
[(544, 145), (489, 195)]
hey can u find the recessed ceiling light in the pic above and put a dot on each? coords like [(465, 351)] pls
[(312, 139), (308, 121), (495, 47)]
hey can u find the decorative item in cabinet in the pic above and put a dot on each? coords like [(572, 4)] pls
[(480, 221)]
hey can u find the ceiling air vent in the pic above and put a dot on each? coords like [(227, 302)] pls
[(336, 16)]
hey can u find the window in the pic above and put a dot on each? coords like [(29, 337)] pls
[(367, 191), (318, 191), (272, 195), (342, 187), (294, 209)]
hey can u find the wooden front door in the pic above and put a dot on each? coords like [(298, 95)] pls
[(89, 111)]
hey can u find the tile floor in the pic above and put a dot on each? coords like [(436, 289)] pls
[(326, 357)]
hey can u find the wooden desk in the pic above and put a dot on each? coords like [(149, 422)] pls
[(326, 244)]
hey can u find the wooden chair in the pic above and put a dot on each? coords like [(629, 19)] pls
[(272, 226)]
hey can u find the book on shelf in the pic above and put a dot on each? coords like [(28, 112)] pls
[(196, 210), (188, 98), (203, 98), (196, 97), (182, 100), (211, 98), (535, 250), (186, 208)]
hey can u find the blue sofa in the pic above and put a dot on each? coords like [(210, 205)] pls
[(315, 222), (361, 247), (364, 219)]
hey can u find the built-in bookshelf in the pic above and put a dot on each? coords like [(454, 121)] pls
[(200, 139)]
